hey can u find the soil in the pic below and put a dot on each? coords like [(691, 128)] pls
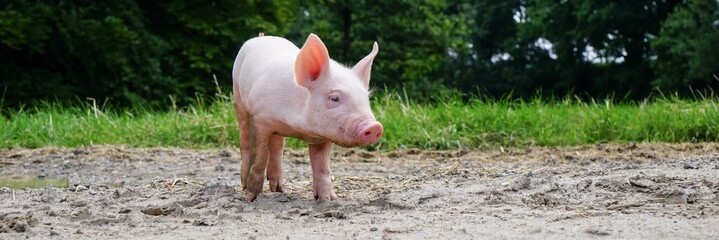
[(648, 191)]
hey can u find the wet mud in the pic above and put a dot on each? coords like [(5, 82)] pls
[(597, 191)]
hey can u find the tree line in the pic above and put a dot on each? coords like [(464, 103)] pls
[(129, 52)]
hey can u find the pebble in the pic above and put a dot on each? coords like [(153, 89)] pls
[(42, 175), (520, 183), (78, 204), (78, 188), (597, 231), (642, 183), (690, 165)]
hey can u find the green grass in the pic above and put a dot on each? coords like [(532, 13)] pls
[(20, 182), (449, 124), (484, 124)]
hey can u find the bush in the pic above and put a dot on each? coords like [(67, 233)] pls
[(686, 48), (128, 52)]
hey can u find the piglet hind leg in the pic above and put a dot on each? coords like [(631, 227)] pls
[(321, 174), (259, 155), (274, 167), (243, 122)]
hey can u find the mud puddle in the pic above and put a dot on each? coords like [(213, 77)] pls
[(599, 191)]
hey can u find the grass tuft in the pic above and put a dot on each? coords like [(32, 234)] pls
[(449, 123)]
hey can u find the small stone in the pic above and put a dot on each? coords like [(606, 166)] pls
[(332, 214), (203, 222), (520, 183), (642, 183), (157, 211), (219, 168), (78, 188), (78, 204), (598, 232), (690, 165), (373, 229)]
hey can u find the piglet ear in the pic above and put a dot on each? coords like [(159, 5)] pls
[(364, 66), (312, 61)]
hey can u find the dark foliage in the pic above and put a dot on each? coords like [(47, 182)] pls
[(130, 52)]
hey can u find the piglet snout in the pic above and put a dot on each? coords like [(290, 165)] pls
[(370, 133)]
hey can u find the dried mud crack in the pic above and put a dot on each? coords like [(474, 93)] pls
[(598, 191)]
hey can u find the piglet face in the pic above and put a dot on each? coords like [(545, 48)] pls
[(338, 108)]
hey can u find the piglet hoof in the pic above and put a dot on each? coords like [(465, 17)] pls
[(323, 191), (252, 191), (277, 186), (326, 196), (250, 196)]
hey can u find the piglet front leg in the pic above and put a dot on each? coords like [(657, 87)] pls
[(274, 168), (321, 175)]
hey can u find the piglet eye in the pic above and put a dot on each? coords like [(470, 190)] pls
[(334, 99)]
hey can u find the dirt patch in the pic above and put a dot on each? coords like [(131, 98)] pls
[(616, 191)]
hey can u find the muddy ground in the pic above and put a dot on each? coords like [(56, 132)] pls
[(650, 191)]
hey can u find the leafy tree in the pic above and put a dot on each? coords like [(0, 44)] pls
[(686, 48), (525, 46), (501, 58), (55, 49), (205, 36), (140, 52), (126, 51), (414, 38), (617, 32)]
